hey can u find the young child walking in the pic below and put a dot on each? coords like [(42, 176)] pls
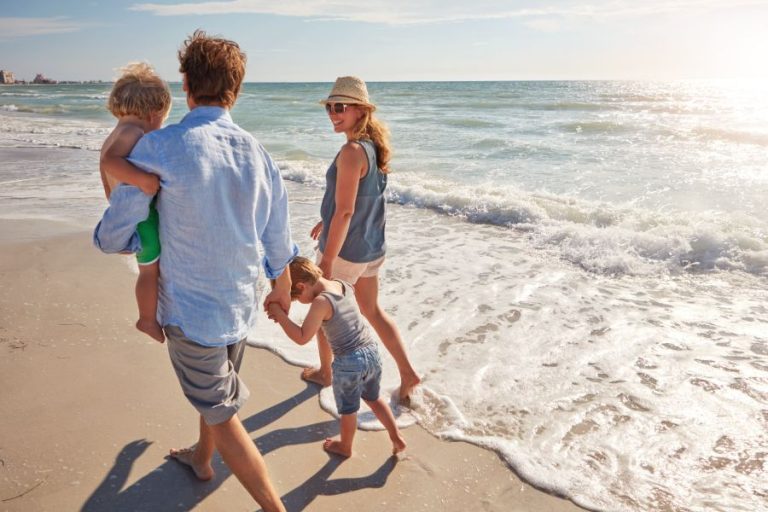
[(356, 366), (141, 101)]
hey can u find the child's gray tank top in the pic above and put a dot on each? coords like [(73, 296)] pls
[(346, 330)]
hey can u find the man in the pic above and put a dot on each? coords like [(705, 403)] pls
[(221, 196)]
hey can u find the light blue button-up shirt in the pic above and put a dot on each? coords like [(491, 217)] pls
[(222, 201)]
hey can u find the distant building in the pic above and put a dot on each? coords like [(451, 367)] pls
[(40, 79), (6, 77)]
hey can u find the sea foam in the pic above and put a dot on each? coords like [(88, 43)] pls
[(599, 237)]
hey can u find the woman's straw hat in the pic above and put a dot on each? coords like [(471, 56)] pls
[(349, 89)]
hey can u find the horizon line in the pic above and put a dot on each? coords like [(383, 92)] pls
[(447, 80)]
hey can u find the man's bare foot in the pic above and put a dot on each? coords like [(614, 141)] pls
[(406, 387), (151, 328), (316, 376), (398, 444), (203, 472), (336, 447)]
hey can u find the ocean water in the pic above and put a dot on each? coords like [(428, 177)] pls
[(579, 269)]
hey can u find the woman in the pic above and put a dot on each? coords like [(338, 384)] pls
[(351, 232)]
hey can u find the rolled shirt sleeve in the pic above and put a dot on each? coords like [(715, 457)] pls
[(116, 231), (128, 205)]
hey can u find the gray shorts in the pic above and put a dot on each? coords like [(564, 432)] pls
[(208, 375)]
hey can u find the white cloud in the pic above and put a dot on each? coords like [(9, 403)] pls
[(305, 9), (435, 11), (393, 12), (544, 24), (11, 28)]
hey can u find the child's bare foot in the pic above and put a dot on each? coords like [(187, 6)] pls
[(203, 472), (151, 328), (398, 444), (407, 384), (316, 376), (336, 447)]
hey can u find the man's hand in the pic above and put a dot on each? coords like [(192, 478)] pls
[(274, 311), (281, 293), (278, 298)]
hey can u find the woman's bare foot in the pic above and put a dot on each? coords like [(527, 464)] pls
[(316, 376), (406, 387), (151, 328), (398, 444), (203, 472), (336, 447)]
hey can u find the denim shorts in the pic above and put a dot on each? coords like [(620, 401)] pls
[(356, 374)]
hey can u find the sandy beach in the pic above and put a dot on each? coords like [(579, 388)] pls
[(576, 267), (91, 407)]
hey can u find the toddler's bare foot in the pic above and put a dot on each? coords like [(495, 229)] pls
[(316, 376), (407, 384), (203, 472), (336, 447), (398, 444), (151, 328)]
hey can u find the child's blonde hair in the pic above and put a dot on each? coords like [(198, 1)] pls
[(139, 92), (302, 270)]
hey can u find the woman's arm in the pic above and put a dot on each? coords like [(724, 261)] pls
[(351, 164)]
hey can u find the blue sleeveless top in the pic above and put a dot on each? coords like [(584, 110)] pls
[(365, 238)]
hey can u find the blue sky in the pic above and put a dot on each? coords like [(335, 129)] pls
[(381, 40)]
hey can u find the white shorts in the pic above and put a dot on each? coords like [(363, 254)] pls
[(351, 272)]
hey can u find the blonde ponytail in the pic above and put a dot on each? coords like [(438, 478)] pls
[(369, 127)]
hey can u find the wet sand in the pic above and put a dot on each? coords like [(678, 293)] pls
[(90, 408)]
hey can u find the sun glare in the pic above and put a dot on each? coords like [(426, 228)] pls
[(740, 52)]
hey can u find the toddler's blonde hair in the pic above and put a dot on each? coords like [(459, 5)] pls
[(140, 92)]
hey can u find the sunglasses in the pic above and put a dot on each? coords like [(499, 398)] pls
[(336, 108)]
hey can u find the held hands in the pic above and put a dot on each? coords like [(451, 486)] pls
[(274, 311), (150, 184), (315, 233), (279, 297)]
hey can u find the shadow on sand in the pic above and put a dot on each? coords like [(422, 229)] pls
[(170, 486)]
